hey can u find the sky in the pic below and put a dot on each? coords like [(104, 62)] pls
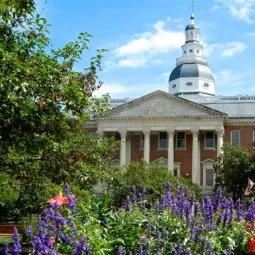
[(144, 38)]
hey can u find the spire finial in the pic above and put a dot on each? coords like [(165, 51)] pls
[(193, 3)]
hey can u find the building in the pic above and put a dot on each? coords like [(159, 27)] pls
[(184, 129)]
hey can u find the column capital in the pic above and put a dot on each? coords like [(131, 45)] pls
[(170, 131), (123, 132), (146, 132), (195, 132), (220, 132)]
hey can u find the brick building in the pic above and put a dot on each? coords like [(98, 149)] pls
[(185, 128)]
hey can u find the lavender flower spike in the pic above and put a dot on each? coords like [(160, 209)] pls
[(16, 250)]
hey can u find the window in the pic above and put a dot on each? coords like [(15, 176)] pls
[(185, 52), (253, 139), (141, 142), (174, 86), (190, 50), (209, 140), (197, 51), (235, 137), (180, 140), (189, 83), (163, 140), (206, 85), (209, 179), (175, 172)]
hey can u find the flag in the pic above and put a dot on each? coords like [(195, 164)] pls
[(249, 187)]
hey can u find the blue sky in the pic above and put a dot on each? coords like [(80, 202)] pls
[(144, 38)]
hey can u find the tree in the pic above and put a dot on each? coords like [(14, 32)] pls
[(233, 168), (44, 103)]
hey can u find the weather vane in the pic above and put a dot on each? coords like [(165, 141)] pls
[(193, 3)]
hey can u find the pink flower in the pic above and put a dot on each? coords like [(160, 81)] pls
[(59, 200)]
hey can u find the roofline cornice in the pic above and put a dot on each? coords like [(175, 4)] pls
[(163, 117), (160, 92)]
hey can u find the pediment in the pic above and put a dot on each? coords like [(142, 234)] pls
[(161, 104), (160, 161)]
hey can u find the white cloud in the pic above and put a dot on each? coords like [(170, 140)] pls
[(250, 34), (158, 41), (233, 48), (146, 48), (132, 62), (241, 9), (226, 49), (114, 89)]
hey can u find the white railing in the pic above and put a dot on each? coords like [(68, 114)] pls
[(191, 59)]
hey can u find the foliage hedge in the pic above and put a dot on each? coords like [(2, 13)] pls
[(151, 176)]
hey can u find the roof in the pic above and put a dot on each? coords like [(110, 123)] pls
[(235, 109), (191, 70)]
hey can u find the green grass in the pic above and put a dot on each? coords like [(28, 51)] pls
[(4, 239)]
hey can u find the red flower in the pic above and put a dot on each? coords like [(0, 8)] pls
[(252, 245), (52, 241), (59, 200)]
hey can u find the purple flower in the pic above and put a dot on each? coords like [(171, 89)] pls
[(16, 244), (133, 194), (6, 249), (121, 251), (127, 204), (82, 248), (239, 210)]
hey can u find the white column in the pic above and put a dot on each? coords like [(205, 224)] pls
[(195, 158), (146, 151), (170, 152), (100, 132), (220, 133), (123, 153)]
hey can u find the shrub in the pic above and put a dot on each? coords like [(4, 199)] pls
[(140, 174)]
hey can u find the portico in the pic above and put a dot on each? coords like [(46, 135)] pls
[(175, 122)]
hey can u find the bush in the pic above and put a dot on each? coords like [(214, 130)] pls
[(152, 177)]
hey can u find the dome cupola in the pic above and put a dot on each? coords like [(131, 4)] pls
[(192, 75)]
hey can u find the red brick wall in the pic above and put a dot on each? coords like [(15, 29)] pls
[(246, 135), (185, 157), (155, 152), (207, 153), (136, 151)]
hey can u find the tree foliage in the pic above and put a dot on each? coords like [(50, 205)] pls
[(149, 176), (44, 103), (233, 168)]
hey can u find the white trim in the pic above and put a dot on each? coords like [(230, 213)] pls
[(161, 161), (177, 165), (207, 164), (231, 136)]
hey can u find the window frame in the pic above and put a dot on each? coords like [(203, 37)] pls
[(253, 139), (205, 177), (141, 143), (159, 146), (231, 137), (205, 139), (176, 141)]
